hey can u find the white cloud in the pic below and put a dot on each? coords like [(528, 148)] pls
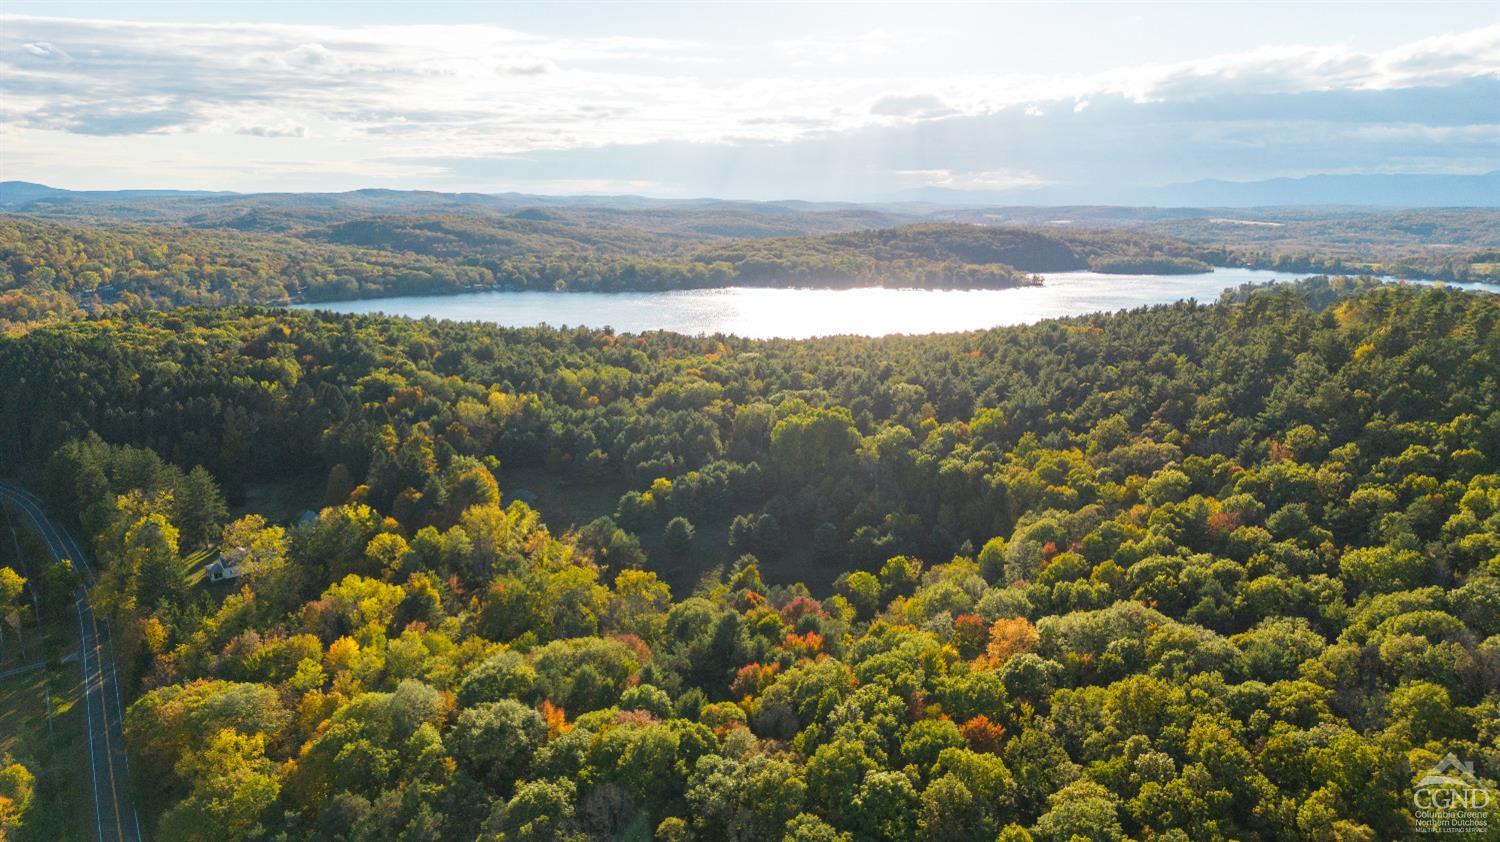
[(875, 44), (1437, 60), (348, 97), (914, 105), (42, 49), (999, 179), (526, 68), (273, 131), (1006, 179)]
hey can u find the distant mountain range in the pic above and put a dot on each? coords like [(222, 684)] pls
[(1391, 190), (1445, 191), (1365, 190), (17, 193)]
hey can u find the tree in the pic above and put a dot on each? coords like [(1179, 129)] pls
[(151, 555), (475, 486), (614, 548), (886, 807), (640, 604), (949, 811), (807, 827), (59, 586), (198, 508), (926, 738), (834, 774), (863, 591), (504, 675), (17, 786), (340, 483), (1010, 636), (678, 538), (1384, 569), (1083, 810), (388, 554), (12, 585), (232, 784), (169, 724), (1029, 677), (496, 740), (992, 559), (813, 440), (540, 811), (1277, 645), (335, 543)]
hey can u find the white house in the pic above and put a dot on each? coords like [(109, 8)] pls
[(227, 565)]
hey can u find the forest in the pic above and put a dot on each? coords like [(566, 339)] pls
[(64, 258), (1223, 571)]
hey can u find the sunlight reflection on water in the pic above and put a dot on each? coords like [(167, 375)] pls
[(800, 313)]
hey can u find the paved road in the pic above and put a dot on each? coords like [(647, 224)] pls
[(104, 712)]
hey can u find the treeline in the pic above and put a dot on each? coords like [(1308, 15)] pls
[(283, 254), (50, 269), (1448, 244), (61, 270), (1470, 267), (1190, 572), (47, 267), (1150, 264)]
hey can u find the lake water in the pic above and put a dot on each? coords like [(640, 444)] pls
[(760, 312)]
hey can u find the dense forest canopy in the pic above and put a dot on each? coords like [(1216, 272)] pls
[(1184, 573)]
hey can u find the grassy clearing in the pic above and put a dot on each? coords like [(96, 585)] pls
[(564, 504), (193, 567), (41, 726), (284, 500), (711, 550), (41, 685)]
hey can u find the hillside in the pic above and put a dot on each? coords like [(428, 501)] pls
[(1165, 573), (63, 253)]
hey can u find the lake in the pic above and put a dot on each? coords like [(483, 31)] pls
[(762, 313)]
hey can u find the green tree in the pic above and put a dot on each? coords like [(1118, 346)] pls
[(496, 740), (886, 806), (1081, 810), (678, 538), (231, 786), (198, 508), (151, 554), (540, 811)]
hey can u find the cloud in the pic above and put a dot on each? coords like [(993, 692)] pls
[(273, 131), (526, 68), (1001, 179), (145, 118), (914, 105), (474, 105), (1438, 60), (42, 49), (1004, 179), (1102, 152), (810, 51)]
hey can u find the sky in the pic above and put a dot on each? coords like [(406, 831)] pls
[(758, 101)]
